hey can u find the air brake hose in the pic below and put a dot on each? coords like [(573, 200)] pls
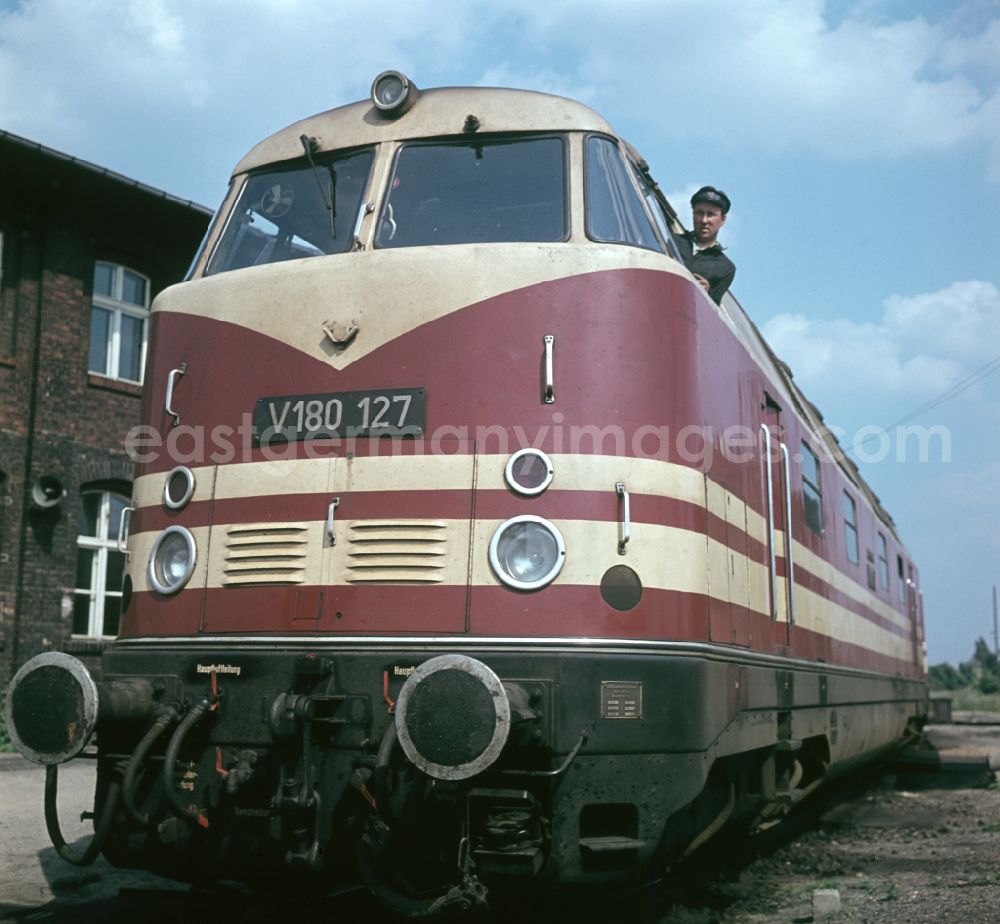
[(394, 900), (380, 783), (164, 717), (373, 844), (170, 763), (101, 828)]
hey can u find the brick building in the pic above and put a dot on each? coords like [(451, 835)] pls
[(82, 253)]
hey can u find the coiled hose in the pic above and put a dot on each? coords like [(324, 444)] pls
[(373, 845), (369, 863), (163, 718), (101, 828), (192, 718), (380, 781)]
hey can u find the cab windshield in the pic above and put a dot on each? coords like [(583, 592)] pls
[(482, 191), (305, 210)]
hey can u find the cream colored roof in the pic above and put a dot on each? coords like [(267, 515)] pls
[(435, 113)]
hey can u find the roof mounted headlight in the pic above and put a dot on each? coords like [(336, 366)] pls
[(393, 93)]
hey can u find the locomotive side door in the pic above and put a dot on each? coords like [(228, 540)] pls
[(913, 608), (728, 573), (775, 473)]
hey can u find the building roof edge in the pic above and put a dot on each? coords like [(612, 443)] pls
[(103, 171)]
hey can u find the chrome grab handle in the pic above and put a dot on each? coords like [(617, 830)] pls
[(334, 504), (770, 523), (124, 521), (171, 380), (366, 209), (626, 520), (390, 220), (788, 535), (549, 395)]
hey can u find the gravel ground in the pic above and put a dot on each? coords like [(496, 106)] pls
[(919, 846), (901, 855)]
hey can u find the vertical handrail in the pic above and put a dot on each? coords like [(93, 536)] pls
[(773, 575), (549, 394), (334, 504), (788, 535), (169, 400), (626, 521), (124, 522)]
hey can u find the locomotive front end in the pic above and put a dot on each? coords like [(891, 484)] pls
[(426, 585), (355, 528)]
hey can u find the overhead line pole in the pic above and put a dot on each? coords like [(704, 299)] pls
[(996, 638)]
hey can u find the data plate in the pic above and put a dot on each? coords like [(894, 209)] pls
[(340, 415), (621, 699)]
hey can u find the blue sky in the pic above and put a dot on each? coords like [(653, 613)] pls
[(858, 139)]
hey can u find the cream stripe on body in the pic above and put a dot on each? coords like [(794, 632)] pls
[(452, 472), (666, 557)]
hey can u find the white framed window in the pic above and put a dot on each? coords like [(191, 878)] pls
[(119, 322), (812, 496), (100, 567)]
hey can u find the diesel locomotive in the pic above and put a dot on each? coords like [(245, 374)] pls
[(471, 543)]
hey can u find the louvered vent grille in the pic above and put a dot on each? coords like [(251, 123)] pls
[(265, 553), (397, 551)]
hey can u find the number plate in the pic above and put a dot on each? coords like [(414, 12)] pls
[(338, 415)]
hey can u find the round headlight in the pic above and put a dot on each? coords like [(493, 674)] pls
[(529, 471), (172, 559), (393, 93), (178, 488), (527, 552)]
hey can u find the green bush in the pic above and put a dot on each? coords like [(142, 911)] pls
[(974, 681), (6, 747), (972, 700)]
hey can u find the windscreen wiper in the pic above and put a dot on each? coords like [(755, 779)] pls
[(329, 196)]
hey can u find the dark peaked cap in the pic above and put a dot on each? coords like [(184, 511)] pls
[(712, 196)]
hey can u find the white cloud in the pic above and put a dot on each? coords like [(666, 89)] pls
[(776, 74), (921, 346), (773, 74), (976, 52), (962, 320)]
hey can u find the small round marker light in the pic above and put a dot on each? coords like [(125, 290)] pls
[(178, 487), (529, 472)]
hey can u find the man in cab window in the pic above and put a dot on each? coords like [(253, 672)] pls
[(700, 248)]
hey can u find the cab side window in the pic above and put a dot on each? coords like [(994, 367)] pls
[(614, 210)]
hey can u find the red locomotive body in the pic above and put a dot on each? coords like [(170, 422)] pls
[(468, 526)]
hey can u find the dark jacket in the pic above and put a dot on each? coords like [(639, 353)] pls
[(711, 263)]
